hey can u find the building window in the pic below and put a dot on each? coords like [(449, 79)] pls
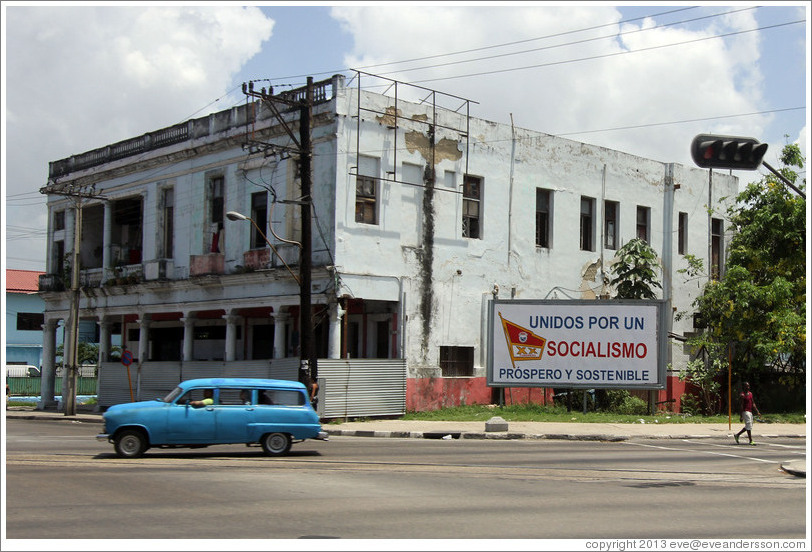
[(168, 242), (716, 248), (259, 214), (59, 258), (456, 361), (471, 197), (587, 226), (216, 194), (682, 233), (30, 321), (610, 216), (59, 220), (642, 222), (366, 200), (216, 205), (544, 224)]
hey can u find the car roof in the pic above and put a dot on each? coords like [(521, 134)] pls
[(241, 382)]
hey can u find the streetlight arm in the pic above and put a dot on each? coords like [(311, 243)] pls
[(234, 215), (784, 179)]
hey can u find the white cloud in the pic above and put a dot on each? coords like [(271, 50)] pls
[(78, 78), (626, 80)]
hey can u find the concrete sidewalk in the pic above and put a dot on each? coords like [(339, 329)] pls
[(515, 430)]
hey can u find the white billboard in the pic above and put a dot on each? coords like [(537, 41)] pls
[(576, 344)]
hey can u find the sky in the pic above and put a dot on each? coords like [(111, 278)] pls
[(643, 78)]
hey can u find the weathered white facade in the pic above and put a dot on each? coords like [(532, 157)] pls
[(449, 212)]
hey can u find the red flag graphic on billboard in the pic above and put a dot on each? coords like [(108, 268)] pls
[(522, 343)]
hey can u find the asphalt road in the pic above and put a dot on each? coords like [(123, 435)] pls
[(61, 483)]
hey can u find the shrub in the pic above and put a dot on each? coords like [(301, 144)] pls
[(690, 404), (632, 405)]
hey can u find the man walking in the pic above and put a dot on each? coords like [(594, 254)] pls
[(748, 405)]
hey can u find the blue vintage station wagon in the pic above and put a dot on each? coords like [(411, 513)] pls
[(215, 411)]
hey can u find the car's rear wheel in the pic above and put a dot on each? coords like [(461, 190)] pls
[(131, 443), (276, 444)]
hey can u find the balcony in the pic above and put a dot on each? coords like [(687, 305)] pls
[(210, 263)]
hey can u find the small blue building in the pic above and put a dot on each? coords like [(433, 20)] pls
[(24, 318)]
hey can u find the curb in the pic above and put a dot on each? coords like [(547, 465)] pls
[(503, 435), (795, 467)]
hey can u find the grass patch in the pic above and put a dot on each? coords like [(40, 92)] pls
[(540, 413)]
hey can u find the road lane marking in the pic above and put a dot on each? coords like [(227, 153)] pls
[(712, 453)]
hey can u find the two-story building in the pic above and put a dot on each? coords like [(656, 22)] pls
[(421, 214)]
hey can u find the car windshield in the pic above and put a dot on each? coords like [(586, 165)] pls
[(173, 395)]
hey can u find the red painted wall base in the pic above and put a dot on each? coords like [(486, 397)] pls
[(424, 394)]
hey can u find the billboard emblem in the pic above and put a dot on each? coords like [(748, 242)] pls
[(522, 343)]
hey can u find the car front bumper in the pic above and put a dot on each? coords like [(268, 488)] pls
[(103, 437)]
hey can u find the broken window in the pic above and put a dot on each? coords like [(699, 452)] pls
[(716, 248), (610, 216), (366, 190), (643, 222), (168, 241), (471, 198), (456, 361), (59, 220), (126, 232), (259, 214), (216, 204), (587, 223), (544, 221)]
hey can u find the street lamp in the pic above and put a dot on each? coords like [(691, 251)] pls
[(234, 215), (307, 352)]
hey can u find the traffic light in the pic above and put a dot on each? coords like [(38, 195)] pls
[(727, 152)]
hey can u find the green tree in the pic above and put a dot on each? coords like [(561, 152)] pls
[(634, 271), (88, 353), (759, 304)]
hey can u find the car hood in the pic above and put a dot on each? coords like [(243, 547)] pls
[(127, 407)]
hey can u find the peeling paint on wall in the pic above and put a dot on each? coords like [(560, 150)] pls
[(588, 275), (445, 149)]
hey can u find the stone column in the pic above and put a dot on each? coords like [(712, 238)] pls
[(104, 340), (188, 336), (48, 375), (231, 336), (334, 343), (107, 238), (280, 319), (143, 338)]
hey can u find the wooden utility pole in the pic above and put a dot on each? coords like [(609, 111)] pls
[(304, 150), (70, 358), (308, 353)]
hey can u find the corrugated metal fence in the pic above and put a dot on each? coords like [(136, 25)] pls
[(362, 387), (347, 388)]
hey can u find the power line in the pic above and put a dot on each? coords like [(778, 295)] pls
[(583, 41), (613, 54), (501, 45)]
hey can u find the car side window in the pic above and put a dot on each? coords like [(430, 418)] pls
[(235, 396), (194, 395), (286, 397)]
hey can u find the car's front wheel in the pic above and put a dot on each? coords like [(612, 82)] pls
[(130, 443), (276, 444)]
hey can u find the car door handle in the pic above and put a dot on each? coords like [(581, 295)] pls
[(210, 408), (249, 409)]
